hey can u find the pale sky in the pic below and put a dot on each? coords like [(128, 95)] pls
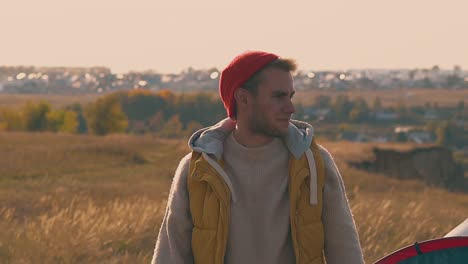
[(171, 35)]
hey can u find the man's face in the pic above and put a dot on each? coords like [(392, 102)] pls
[(271, 108)]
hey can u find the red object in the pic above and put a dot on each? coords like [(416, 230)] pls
[(424, 247), (238, 72)]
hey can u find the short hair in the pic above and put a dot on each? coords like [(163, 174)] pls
[(288, 65), (251, 85)]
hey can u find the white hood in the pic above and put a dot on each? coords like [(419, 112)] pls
[(210, 140)]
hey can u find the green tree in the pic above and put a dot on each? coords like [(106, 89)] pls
[(11, 120), (443, 135), (70, 122), (35, 116), (377, 105), (355, 115), (401, 137), (401, 107), (55, 120), (449, 134), (192, 127), (172, 128), (454, 81), (322, 101), (403, 112), (105, 116), (299, 113), (78, 109), (62, 121), (170, 100), (156, 122), (461, 106), (431, 127), (200, 107), (142, 104), (359, 111), (341, 107)]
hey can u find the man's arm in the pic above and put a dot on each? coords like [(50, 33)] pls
[(174, 241), (341, 237)]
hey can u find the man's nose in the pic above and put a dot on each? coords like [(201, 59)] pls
[(289, 108)]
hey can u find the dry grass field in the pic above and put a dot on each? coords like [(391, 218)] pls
[(86, 199), (82, 199)]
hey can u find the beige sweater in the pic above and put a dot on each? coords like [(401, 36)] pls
[(259, 229)]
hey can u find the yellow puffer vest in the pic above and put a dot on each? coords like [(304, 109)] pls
[(210, 202)]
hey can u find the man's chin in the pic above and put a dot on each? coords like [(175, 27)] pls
[(283, 128), (273, 130), (283, 133), (280, 132)]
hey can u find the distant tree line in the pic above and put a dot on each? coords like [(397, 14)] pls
[(344, 109), (39, 117), (447, 124), (174, 115), (134, 111)]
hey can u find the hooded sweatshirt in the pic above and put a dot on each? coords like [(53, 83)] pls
[(259, 230)]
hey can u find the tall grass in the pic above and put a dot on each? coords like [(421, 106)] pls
[(403, 215), (82, 199), (82, 232), (85, 199), (391, 213)]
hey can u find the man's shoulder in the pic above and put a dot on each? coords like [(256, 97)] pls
[(325, 154), (186, 158), (183, 167)]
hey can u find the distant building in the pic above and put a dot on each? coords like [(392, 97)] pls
[(380, 139), (420, 137), (318, 113), (353, 136), (403, 129), (430, 115), (386, 116), (414, 134)]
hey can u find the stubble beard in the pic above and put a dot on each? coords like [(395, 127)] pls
[(259, 125)]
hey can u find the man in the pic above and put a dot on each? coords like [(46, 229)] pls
[(256, 187)]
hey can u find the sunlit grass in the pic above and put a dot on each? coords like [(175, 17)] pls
[(80, 231)]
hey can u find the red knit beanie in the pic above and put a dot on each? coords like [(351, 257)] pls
[(238, 72)]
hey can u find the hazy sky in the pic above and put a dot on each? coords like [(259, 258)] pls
[(168, 36)]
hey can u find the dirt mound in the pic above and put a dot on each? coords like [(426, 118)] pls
[(434, 165)]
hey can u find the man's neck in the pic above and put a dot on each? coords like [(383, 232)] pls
[(250, 140)]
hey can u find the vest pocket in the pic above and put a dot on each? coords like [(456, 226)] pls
[(203, 245)]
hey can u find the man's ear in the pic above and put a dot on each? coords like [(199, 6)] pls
[(241, 96)]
